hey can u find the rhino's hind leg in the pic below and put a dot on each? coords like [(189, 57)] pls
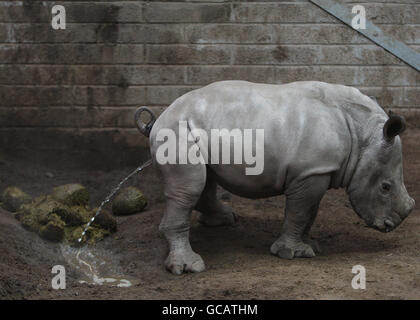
[(183, 187), (181, 257), (212, 211), (302, 201)]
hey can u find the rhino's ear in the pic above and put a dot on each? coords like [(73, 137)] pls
[(394, 126)]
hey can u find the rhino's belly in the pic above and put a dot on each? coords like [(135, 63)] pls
[(233, 179)]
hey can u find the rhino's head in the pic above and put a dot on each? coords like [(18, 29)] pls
[(377, 192)]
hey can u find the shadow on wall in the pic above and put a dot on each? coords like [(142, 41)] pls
[(79, 147)]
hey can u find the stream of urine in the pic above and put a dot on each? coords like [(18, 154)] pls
[(90, 261)]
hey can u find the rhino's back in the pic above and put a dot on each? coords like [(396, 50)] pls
[(238, 99), (305, 127)]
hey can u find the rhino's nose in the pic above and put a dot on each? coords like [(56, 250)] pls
[(388, 223), (412, 204)]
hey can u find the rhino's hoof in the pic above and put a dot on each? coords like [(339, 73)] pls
[(284, 251), (178, 263), (216, 220), (314, 245)]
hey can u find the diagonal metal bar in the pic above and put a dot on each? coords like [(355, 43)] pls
[(372, 32)]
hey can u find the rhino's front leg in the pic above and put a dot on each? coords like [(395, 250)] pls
[(306, 238), (302, 201)]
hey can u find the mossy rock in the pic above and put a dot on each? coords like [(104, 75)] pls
[(30, 223), (42, 207), (72, 235), (95, 234), (71, 194), (54, 229), (130, 200), (56, 221), (38, 209), (105, 220), (84, 213), (73, 216), (13, 198)]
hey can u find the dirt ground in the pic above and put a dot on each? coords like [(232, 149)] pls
[(238, 262)]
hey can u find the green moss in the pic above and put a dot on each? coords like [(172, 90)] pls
[(105, 220), (42, 207), (71, 194), (73, 216), (54, 229), (13, 198), (24, 209), (30, 222), (72, 234), (84, 213), (37, 209), (93, 235), (130, 200)]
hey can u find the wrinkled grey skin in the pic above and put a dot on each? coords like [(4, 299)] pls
[(317, 136)]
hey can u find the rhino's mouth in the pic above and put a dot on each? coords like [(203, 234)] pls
[(385, 227), (388, 224)]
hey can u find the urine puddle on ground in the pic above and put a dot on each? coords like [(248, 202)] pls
[(96, 266)]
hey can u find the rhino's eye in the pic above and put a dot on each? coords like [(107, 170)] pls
[(386, 187)]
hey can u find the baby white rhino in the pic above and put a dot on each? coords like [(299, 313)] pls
[(317, 136)]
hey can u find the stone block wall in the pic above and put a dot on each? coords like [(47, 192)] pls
[(77, 89)]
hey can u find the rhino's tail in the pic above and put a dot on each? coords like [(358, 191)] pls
[(143, 127)]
